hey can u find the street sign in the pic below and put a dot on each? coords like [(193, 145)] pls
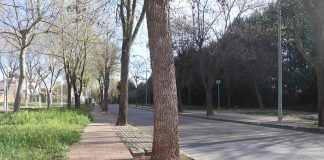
[(218, 81)]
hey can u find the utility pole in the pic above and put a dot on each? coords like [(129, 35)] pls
[(279, 65)]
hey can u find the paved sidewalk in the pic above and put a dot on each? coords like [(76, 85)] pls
[(138, 142), (99, 141), (287, 120)]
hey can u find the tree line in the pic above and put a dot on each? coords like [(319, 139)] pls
[(189, 48), (245, 59)]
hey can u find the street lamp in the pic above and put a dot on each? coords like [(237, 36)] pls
[(145, 76), (279, 65)]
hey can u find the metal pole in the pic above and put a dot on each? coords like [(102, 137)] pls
[(145, 83), (279, 65), (218, 97)]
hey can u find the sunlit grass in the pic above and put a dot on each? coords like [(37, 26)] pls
[(40, 134)]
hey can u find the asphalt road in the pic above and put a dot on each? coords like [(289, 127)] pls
[(213, 140)]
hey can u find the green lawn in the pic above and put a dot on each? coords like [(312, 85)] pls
[(40, 133)]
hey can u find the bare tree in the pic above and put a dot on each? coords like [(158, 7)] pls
[(21, 21), (9, 67), (105, 64), (48, 71), (136, 71), (127, 12), (77, 33), (165, 141)]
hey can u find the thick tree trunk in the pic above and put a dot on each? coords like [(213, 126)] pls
[(209, 100), (319, 30), (22, 57), (77, 100), (258, 94), (105, 100), (320, 94), (165, 141), (123, 97)]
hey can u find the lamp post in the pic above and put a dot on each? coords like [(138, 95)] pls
[(145, 76), (279, 65)]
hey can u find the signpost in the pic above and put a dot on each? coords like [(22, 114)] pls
[(218, 82)]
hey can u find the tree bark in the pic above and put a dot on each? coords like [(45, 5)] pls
[(258, 94), (209, 100), (179, 94), (165, 141), (105, 100), (77, 100), (189, 95), (69, 95), (229, 98), (49, 100), (22, 57), (101, 98), (123, 101), (319, 31), (320, 94)]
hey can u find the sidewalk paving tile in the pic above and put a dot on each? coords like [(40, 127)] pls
[(99, 141)]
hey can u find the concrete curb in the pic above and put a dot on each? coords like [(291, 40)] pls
[(270, 125)]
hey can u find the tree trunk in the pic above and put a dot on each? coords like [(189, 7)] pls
[(179, 94), (165, 141), (22, 57), (229, 98), (105, 100), (320, 94), (123, 100), (49, 100), (319, 30), (77, 100), (209, 100), (69, 95), (101, 98), (258, 94), (189, 95)]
